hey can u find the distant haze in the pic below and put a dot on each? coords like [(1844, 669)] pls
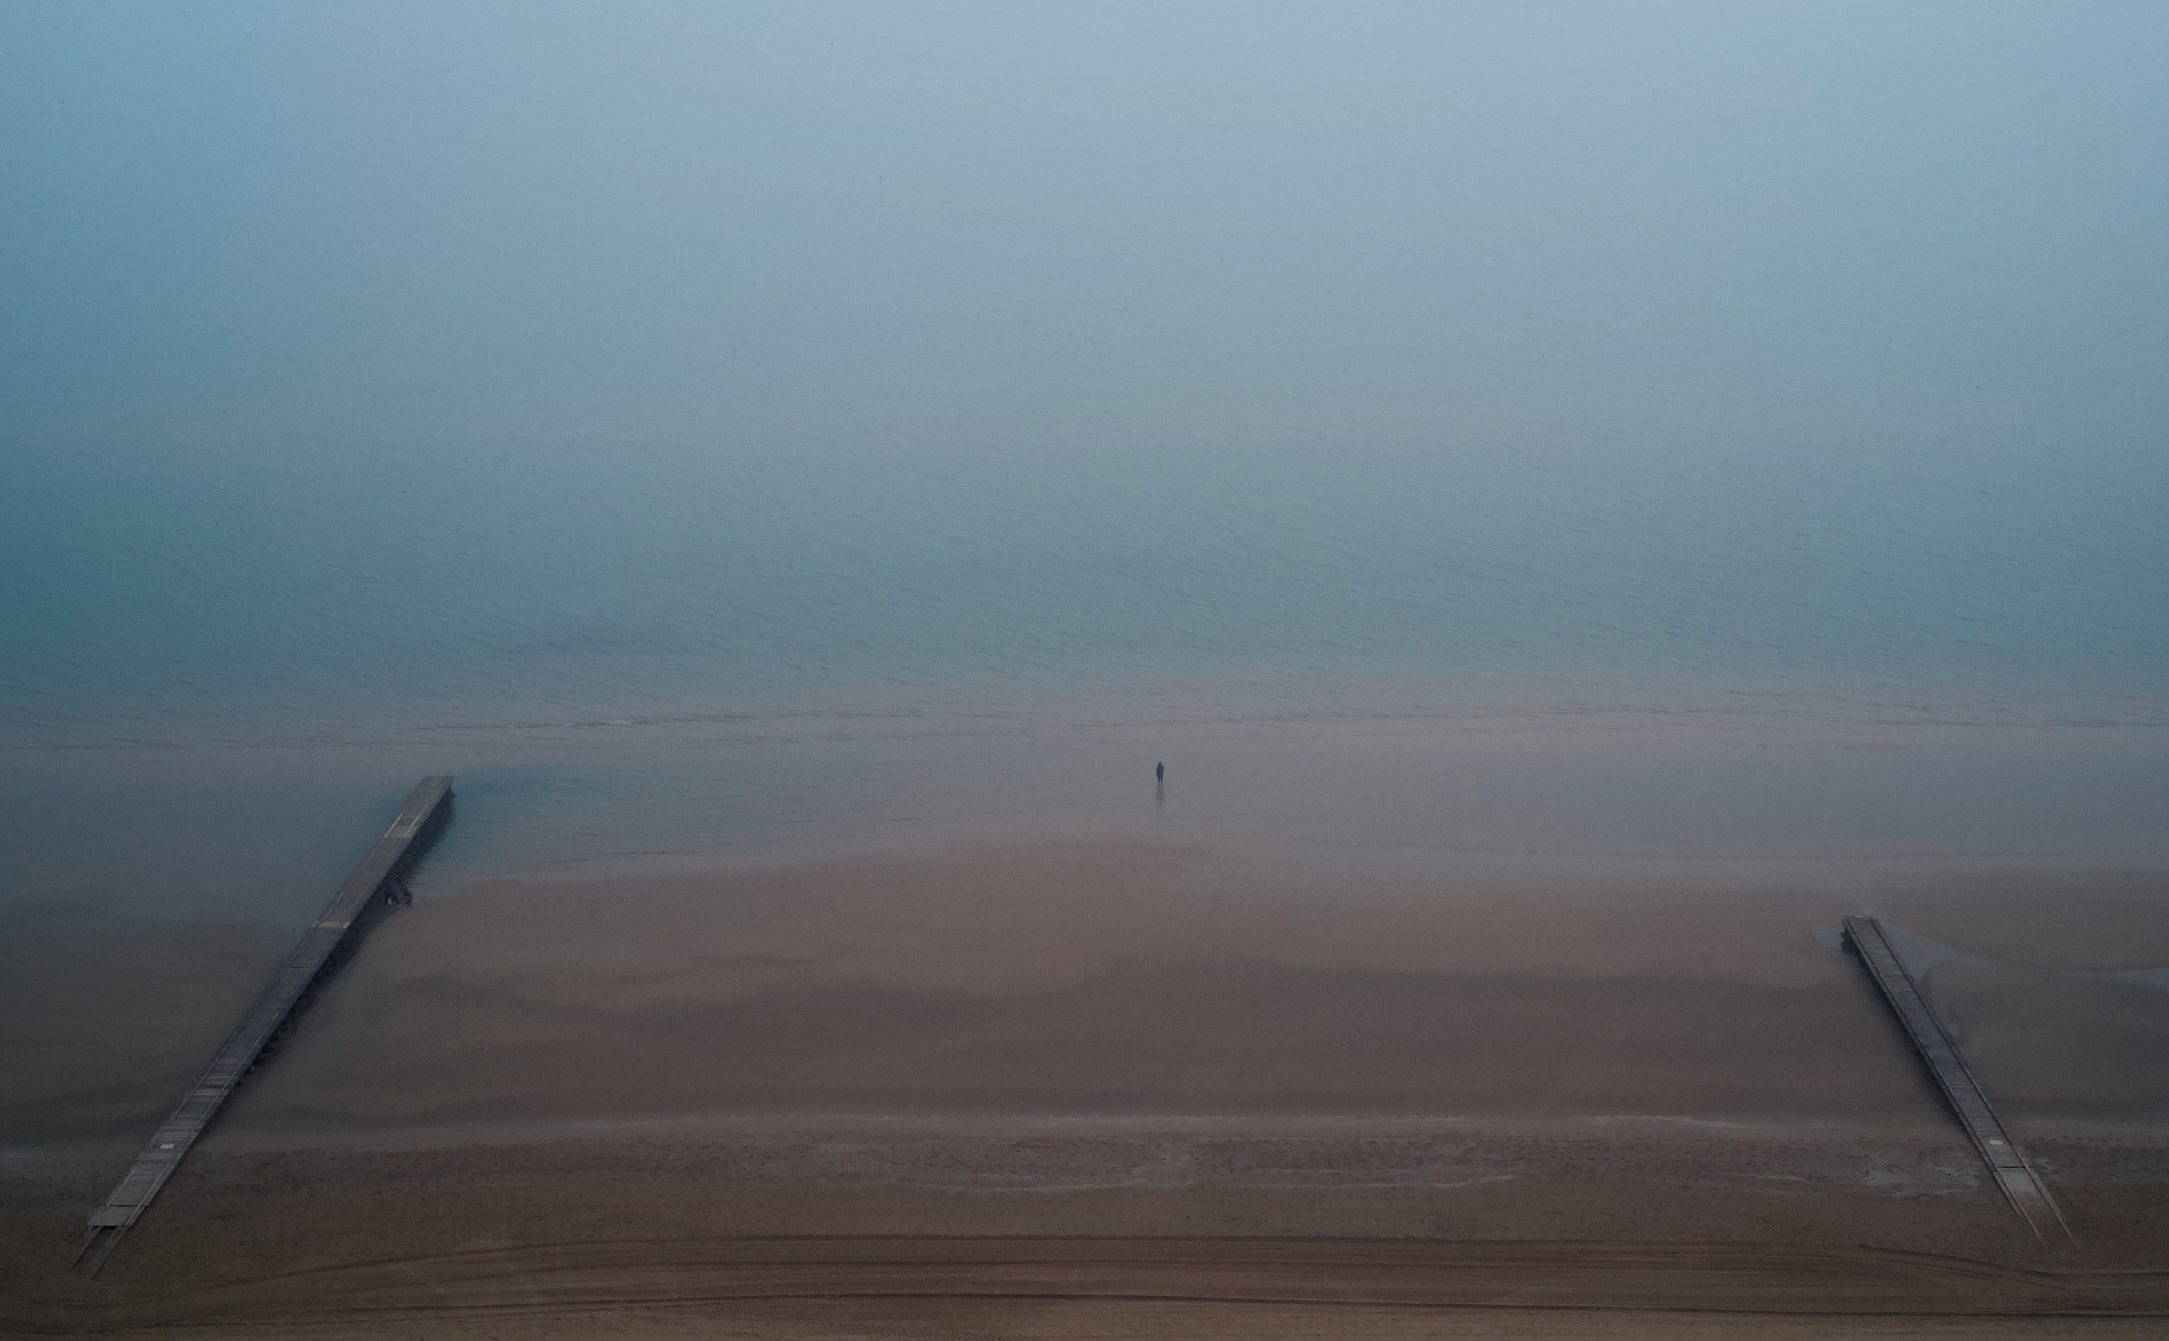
[(437, 361)]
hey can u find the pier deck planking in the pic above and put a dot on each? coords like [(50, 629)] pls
[(271, 1011), (2007, 1164)]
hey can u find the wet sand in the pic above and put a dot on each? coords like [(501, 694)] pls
[(583, 1108), (1132, 977), (812, 1227)]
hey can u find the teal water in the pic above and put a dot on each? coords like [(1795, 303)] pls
[(685, 648), (179, 595), (714, 432)]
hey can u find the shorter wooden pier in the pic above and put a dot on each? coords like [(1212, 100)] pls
[(382, 872), (2007, 1164)]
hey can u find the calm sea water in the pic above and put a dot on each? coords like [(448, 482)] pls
[(734, 430), (1484, 636), (188, 594)]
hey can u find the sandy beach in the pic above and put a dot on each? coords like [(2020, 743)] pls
[(1115, 1077), (1083, 672)]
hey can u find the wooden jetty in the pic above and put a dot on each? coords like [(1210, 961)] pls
[(2007, 1163), (381, 873)]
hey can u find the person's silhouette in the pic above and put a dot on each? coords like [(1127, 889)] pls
[(1159, 772)]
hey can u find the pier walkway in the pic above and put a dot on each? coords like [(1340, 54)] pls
[(2006, 1162), (380, 871)]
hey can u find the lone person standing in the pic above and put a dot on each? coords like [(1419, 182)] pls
[(1159, 772)]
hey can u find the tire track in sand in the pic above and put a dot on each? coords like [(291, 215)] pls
[(1716, 1277)]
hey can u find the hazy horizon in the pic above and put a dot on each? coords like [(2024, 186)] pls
[(610, 386)]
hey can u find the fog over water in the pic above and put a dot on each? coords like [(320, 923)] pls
[(697, 424)]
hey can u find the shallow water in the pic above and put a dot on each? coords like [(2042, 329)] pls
[(657, 651)]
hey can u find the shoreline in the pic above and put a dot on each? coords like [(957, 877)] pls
[(1581, 794)]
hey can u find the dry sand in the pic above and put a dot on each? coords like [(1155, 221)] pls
[(1126, 1088)]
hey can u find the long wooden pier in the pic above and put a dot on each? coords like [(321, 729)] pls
[(381, 872), (2007, 1164)]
